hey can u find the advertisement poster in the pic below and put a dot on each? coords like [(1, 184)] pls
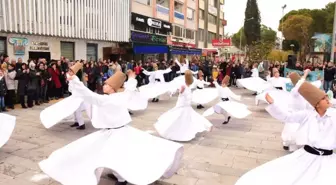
[(312, 76)]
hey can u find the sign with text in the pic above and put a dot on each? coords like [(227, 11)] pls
[(148, 38), (39, 46), (19, 45), (221, 42), (144, 22)]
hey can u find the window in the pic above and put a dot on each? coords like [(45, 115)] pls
[(211, 19), (190, 14), (190, 34), (178, 31), (201, 14), (211, 36), (145, 2), (201, 34), (213, 3), (164, 3), (178, 7)]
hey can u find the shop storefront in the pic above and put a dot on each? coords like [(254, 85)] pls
[(149, 38), (184, 48)]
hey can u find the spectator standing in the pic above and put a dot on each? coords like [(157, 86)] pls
[(3, 91), (10, 83), (55, 83), (329, 75), (32, 87), (23, 78)]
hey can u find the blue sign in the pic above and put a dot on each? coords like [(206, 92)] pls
[(312, 76), (179, 15)]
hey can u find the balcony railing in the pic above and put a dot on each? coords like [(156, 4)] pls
[(178, 15), (162, 9)]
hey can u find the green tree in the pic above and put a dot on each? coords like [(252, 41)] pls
[(260, 50), (252, 22), (267, 35), (298, 27)]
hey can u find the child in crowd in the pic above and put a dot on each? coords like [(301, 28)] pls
[(3, 91)]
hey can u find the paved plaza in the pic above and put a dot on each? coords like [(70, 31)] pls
[(218, 157)]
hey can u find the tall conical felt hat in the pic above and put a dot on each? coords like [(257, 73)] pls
[(116, 81), (311, 93), (294, 77), (188, 77), (200, 73), (226, 80), (75, 68)]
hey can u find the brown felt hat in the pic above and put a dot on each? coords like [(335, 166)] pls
[(226, 80), (294, 77), (116, 81), (188, 77), (76, 67), (311, 93), (200, 73)]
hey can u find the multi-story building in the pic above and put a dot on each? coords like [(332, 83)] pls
[(211, 23), (75, 29), (164, 28)]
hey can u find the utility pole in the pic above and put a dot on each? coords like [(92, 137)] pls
[(282, 36), (333, 38)]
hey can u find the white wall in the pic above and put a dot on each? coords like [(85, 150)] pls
[(54, 44)]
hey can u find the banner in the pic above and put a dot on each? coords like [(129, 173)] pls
[(312, 76)]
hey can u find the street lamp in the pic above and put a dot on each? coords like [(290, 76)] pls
[(283, 14), (333, 38)]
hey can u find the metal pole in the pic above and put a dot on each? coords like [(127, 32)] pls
[(333, 38)]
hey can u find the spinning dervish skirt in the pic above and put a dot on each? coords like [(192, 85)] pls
[(7, 125), (178, 82), (235, 109), (181, 124), (134, 155), (298, 168), (154, 90), (204, 96), (255, 84), (136, 101), (276, 95), (289, 133), (63, 109)]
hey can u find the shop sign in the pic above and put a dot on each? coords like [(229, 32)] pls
[(148, 38), (182, 44), (120, 51), (41, 46), (145, 22), (19, 45), (224, 22), (221, 42)]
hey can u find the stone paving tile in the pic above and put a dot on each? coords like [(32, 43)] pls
[(219, 157)]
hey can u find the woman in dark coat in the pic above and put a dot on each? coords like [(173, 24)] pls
[(56, 85), (22, 78), (33, 85)]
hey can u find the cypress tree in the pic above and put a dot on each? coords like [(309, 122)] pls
[(252, 22)]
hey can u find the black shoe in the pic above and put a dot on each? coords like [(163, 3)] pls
[(11, 107), (226, 122), (111, 176), (75, 124), (198, 107), (130, 113), (81, 127), (201, 106), (4, 110), (37, 104), (46, 101), (286, 148), (254, 94), (153, 100), (157, 100), (24, 106), (121, 183)]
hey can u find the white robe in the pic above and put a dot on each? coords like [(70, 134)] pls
[(136, 100), (182, 122), (132, 155), (228, 108), (7, 125), (300, 167), (154, 88), (203, 95)]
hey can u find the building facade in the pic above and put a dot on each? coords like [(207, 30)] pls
[(171, 31), (75, 29), (211, 22)]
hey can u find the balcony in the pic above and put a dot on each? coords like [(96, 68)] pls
[(162, 12), (179, 18)]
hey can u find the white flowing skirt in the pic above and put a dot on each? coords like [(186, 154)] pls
[(254, 84), (181, 124), (154, 90), (276, 95), (134, 155), (232, 108), (298, 168), (289, 133), (204, 96), (7, 125), (136, 101), (178, 82)]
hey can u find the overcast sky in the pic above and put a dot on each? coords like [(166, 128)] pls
[(270, 11)]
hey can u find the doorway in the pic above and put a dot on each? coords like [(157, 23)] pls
[(36, 55)]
